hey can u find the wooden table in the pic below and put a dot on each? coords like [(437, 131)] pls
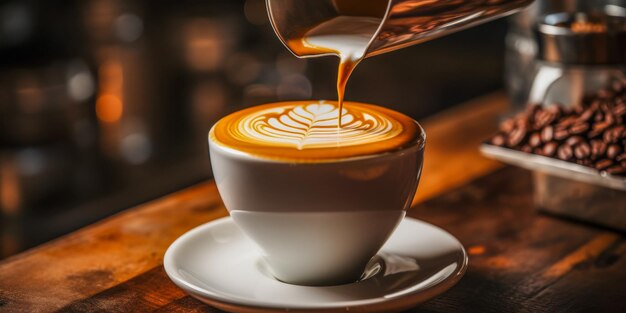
[(519, 260)]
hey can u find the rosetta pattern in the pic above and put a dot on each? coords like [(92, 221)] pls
[(315, 125)]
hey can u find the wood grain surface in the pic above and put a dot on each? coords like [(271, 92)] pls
[(520, 260), (116, 264)]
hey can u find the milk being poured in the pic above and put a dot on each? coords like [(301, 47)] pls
[(345, 36)]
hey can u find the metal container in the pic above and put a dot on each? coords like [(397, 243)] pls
[(522, 46), (403, 22), (578, 54), (580, 200), (570, 190)]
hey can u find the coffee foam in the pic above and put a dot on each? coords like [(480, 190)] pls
[(308, 131)]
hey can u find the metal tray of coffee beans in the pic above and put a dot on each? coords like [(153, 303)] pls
[(555, 167), (578, 155)]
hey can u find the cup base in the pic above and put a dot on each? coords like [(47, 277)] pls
[(318, 248)]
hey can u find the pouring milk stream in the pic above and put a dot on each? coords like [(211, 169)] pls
[(346, 36)]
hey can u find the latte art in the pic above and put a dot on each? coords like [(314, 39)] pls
[(314, 125), (308, 130)]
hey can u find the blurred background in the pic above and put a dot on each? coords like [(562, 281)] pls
[(106, 104)]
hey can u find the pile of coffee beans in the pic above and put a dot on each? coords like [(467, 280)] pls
[(592, 134)]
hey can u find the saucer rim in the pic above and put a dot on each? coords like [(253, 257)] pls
[(378, 304)]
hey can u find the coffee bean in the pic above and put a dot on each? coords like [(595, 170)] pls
[(582, 150), (534, 140), (621, 157), (547, 133), (616, 170), (587, 115), (507, 125), (556, 110), (550, 148), (545, 117), (566, 122), (613, 135), (498, 140), (578, 128), (565, 152), (602, 126), (560, 133), (613, 151), (526, 149), (522, 121), (572, 141), (516, 137), (603, 164), (598, 148)]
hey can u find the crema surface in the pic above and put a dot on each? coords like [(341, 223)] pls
[(308, 131)]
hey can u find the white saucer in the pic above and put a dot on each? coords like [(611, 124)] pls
[(217, 264)]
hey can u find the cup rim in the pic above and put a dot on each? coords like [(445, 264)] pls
[(419, 142), (259, 158)]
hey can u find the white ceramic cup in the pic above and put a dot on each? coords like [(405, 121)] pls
[(318, 223)]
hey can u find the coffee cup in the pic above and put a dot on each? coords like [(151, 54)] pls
[(317, 214)]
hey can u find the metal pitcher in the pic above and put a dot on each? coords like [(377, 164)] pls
[(403, 22)]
